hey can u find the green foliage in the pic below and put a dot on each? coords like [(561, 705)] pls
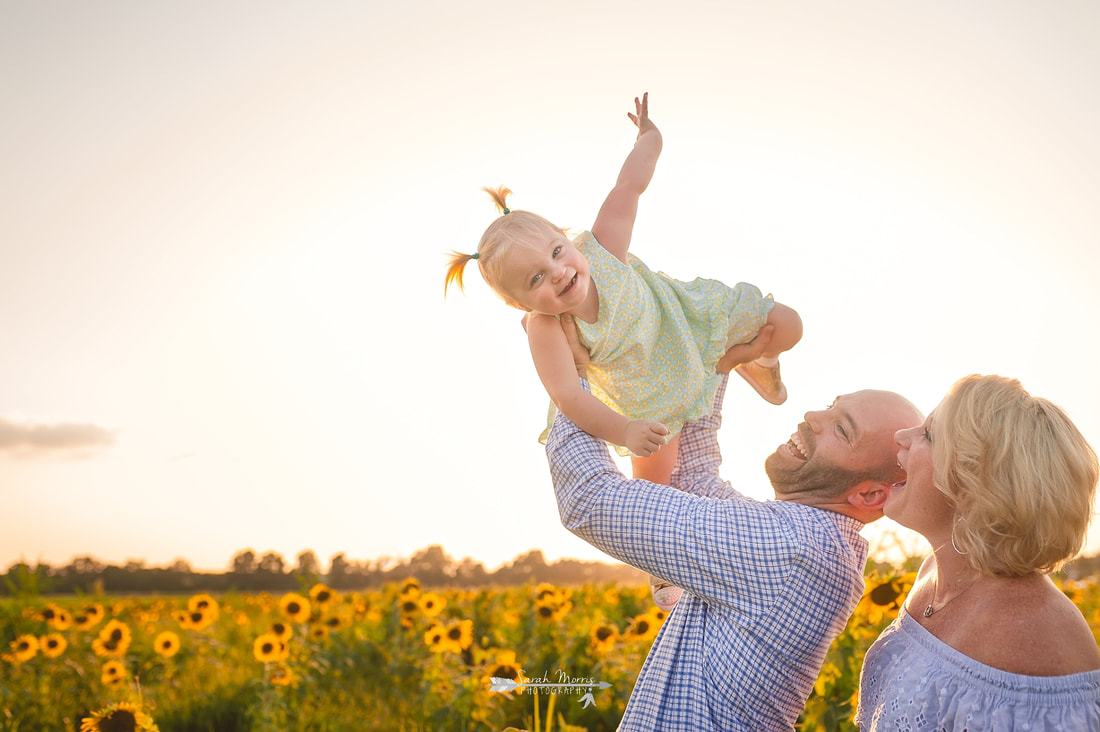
[(400, 658)]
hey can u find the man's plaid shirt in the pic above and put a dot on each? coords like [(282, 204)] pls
[(767, 585)]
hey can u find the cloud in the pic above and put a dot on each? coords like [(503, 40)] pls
[(36, 439)]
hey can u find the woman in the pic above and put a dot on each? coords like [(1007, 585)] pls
[(1002, 486)]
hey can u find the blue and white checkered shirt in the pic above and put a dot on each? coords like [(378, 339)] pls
[(768, 585)]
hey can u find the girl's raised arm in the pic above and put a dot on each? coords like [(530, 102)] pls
[(615, 221), (556, 368)]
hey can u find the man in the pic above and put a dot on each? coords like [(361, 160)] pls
[(768, 585)]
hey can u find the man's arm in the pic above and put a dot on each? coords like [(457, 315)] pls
[(700, 458), (709, 547), (697, 468)]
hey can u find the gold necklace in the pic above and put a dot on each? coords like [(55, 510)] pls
[(928, 611)]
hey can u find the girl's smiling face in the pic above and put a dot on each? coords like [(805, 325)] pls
[(548, 276)]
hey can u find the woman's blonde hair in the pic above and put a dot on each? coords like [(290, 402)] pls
[(510, 228), (1022, 477)]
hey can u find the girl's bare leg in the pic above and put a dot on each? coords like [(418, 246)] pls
[(763, 372), (657, 468)]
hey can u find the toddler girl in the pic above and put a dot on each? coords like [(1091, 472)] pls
[(653, 341)]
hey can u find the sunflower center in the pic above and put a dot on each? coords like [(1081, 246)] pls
[(885, 594), (505, 672), (120, 720)]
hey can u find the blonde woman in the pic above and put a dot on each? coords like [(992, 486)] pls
[(1002, 485)]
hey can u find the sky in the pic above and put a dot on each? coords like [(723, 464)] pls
[(223, 228)]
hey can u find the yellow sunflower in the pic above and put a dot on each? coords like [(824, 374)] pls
[(504, 666), (283, 630), (459, 635), (24, 648), (643, 627), (321, 595), (410, 587), (268, 648), (205, 604), (294, 607), (318, 632), (119, 717), (167, 644), (113, 640), (281, 675), (201, 619), (52, 615), (434, 637), (113, 673), (552, 608), (183, 617), (88, 616), (882, 600), (52, 645), (431, 604), (602, 638), (60, 619), (544, 591), (408, 605)]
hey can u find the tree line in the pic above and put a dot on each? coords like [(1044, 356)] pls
[(270, 572)]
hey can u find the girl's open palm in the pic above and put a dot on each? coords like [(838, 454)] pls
[(641, 115)]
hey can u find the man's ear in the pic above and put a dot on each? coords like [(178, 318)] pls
[(870, 495)]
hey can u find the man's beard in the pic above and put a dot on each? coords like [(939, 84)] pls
[(813, 477)]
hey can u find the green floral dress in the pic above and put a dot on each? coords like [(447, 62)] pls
[(656, 340)]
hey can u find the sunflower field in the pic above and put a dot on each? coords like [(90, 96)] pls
[(404, 657)]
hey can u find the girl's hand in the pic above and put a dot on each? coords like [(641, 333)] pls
[(641, 115), (645, 437)]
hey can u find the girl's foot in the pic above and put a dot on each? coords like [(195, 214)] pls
[(665, 594), (765, 380)]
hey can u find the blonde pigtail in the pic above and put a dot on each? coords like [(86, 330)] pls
[(457, 261), (500, 197), (456, 265)]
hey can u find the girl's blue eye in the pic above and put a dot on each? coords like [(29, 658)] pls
[(557, 251), (535, 279)]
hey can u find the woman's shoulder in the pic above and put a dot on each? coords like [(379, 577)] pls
[(1028, 626)]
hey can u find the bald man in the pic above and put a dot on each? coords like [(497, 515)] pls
[(768, 585)]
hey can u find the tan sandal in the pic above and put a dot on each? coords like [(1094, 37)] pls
[(765, 380)]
